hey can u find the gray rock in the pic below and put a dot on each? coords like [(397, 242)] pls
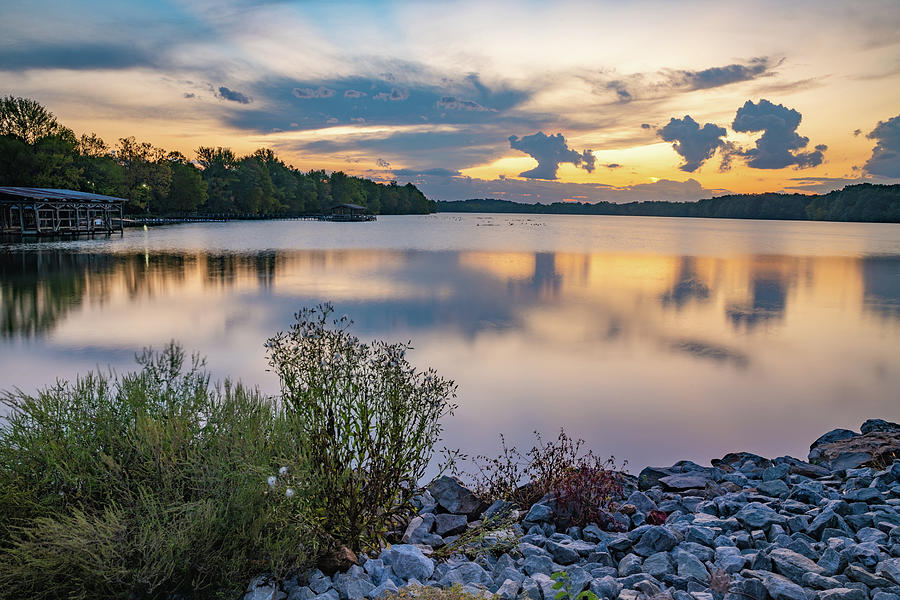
[(418, 528), (301, 593), (319, 583), (655, 539), (870, 534), (606, 587), (690, 566), (561, 553), (388, 587), (509, 573), (842, 593), (450, 493), (835, 435), (530, 590), (629, 565), (537, 564), (540, 513), (775, 488), (857, 573), (879, 425), (685, 481), (730, 559), (889, 568), (658, 565), (867, 554), (793, 565), (375, 568), (449, 524), (353, 588), (467, 573), (779, 587), (508, 590), (498, 510), (408, 562), (262, 589), (849, 460), (701, 535), (820, 582), (329, 595), (546, 585), (642, 502), (758, 516), (828, 518), (881, 595)]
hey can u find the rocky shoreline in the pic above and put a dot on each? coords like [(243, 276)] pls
[(744, 528)]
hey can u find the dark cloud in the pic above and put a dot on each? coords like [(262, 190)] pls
[(233, 96), (190, 95), (383, 163), (309, 93), (395, 95), (550, 151), (780, 144), (695, 144), (74, 55), (452, 103), (646, 126), (885, 159), (621, 90), (537, 190), (856, 132), (613, 166), (354, 94), (719, 76), (414, 173)]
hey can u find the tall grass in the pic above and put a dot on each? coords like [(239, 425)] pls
[(145, 484)]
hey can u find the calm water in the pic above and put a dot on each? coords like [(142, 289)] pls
[(653, 339)]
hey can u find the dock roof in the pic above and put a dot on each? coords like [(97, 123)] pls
[(55, 194)]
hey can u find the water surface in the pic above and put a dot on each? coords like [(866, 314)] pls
[(655, 339)]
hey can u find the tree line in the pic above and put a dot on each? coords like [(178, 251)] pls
[(861, 202), (37, 151)]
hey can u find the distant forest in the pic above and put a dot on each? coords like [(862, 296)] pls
[(863, 202), (37, 151)]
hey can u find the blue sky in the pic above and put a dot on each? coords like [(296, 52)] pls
[(519, 100)]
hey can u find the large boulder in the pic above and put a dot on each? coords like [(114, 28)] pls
[(880, 444), (454, 497), (408, 562)]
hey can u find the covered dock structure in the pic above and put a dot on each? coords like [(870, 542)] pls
[(350, 212), (26, 211)]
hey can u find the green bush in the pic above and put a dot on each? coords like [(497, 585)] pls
[(145, 484), (366, 420)]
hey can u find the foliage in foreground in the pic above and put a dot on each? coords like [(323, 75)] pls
[(454, 592), (583, 485), (366, 421), (144, 484)]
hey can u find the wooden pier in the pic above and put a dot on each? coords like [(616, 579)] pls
[(53, 212)]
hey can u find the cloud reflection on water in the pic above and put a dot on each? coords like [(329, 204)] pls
[(604, 343)]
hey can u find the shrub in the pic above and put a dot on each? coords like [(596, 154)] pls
[(415, 592), (583, 485), (366, 423), (143, 485)]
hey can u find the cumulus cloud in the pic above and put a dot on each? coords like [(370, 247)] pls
[(695, 144), (233, 96), (550, 151), (780, 144), (885, 159), (354, 94), (309, 93)]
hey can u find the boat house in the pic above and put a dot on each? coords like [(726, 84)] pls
[(350, 212), (52, 212)]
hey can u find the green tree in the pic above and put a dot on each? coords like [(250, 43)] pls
[(147, 173), (27, 120)]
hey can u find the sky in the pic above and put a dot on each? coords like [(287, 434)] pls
[(525, 101)]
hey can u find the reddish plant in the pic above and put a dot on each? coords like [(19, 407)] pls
[(585, 492)]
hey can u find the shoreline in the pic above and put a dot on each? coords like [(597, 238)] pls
[(745, 527)]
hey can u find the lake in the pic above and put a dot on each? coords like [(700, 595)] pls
[(654, 339)]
